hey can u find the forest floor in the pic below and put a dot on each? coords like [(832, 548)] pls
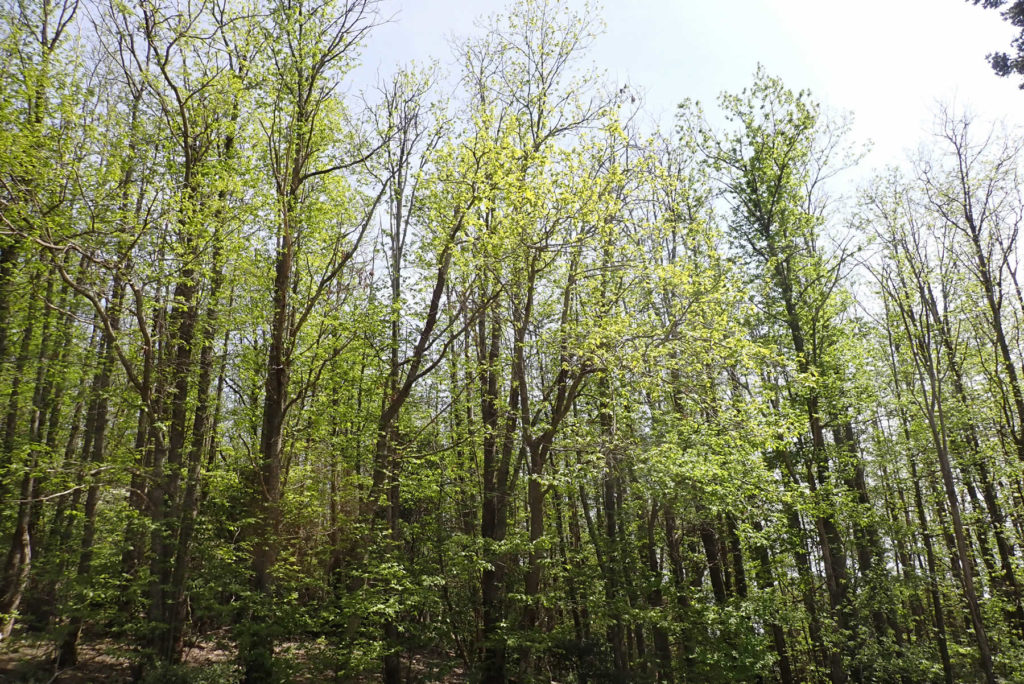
[(29, 660)]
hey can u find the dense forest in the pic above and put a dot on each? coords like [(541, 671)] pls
[(476, 375)]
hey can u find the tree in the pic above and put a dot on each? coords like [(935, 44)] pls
[(510, 385), (1003, 63), (773, 172), (309, 48)]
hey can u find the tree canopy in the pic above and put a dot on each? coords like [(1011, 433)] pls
[(1006, 63)]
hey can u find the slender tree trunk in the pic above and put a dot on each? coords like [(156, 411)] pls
[(936, 423), (257, 649), (662, 646), (96, 426), (499, 429), (18, 561)]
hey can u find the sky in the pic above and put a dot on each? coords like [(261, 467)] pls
[(888, 62)]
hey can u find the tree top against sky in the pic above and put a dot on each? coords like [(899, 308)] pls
[(1004, 63), (888, 63)]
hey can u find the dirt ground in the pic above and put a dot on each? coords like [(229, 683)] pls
[(29, 660)]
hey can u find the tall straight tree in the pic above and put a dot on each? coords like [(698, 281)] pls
[(38, 100), (911, 295), (528, 98), (309, 47), (773, 170)]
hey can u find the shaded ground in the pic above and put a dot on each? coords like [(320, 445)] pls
[(29, 660)]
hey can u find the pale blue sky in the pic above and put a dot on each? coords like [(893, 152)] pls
[(886, 61)]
